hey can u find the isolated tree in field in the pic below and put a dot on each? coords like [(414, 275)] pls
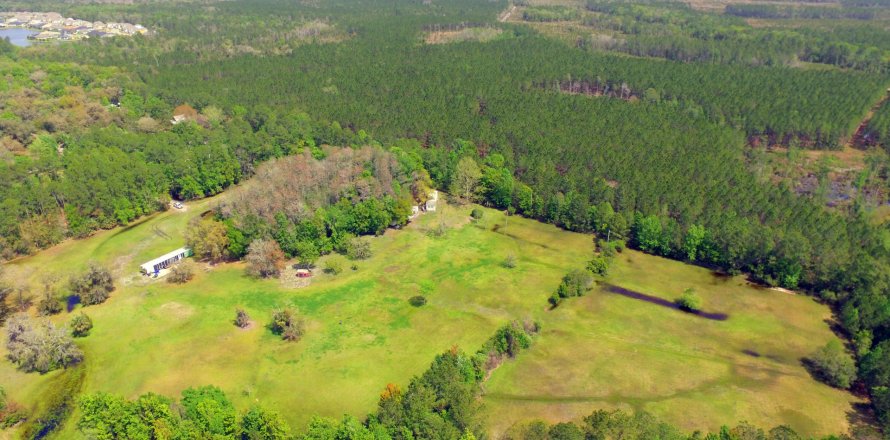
[(264, 258), (333, 267), (260, 423), (49, 304), (39, 345), (242, 319), (466, 178), (81, 325), (94, 286), (181, 272), (834, 365), (358, 249), (286, 323), (689, 301), (208, 239)]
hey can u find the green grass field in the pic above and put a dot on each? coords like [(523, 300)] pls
[(600, 351), (609, 351)]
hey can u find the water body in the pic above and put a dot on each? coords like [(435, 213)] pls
[(17, 36)]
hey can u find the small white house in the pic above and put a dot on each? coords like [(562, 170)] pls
[(431, 203), (165, 261)]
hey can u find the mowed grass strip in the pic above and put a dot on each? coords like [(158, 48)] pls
[(607, 351)]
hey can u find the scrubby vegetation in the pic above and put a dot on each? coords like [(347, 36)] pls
[(94, 286), (38, 345), (81, 325), (181, 272), (287, 324)]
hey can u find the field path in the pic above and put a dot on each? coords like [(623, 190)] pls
[(506, 14)]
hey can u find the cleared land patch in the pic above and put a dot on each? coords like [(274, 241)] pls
[(362, 332), (478, 34), (610, 351)]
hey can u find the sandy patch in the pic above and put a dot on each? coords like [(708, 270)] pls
[(176, 310)]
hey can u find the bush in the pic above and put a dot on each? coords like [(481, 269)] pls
[(509, 262), (689, 301), (417, 301), (286, 324), (574, 283), (477, 213), (833, 365), (5, 310), (264, 259), (40, 346), (358, 249), (333, 267), (599, 264), (242, 319), (182, 272), (81, 325), (94, 286), (49, 305)]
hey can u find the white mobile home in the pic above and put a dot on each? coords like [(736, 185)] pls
[(165, 261)]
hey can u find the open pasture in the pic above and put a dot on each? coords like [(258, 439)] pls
[(600, 351), (609, 351), (361, 331)]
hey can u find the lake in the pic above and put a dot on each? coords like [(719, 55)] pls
[(17, 36)]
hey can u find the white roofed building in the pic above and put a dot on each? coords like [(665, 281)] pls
[(165, 261)]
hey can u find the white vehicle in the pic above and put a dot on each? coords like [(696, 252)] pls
[(177, 205)]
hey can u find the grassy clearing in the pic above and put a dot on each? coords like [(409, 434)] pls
[(361, 331), (600, 351), (477, 34), (609, 351)]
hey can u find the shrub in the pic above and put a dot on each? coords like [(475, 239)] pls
[(242, 319), (40, 346), (10, 412), (599, 264), (5, 310), (286, 324), (94, 286), (477, 213), (574, 283), (833, 365), (49, 305), (264, 259), (81, 325), (333, 267), (437, 232), (509, 262), (417, 301), (182, 272), (689, 301), (358, 249)]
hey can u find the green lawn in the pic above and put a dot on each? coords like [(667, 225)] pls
[(595, 352), (361, 331), (609, 351)]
